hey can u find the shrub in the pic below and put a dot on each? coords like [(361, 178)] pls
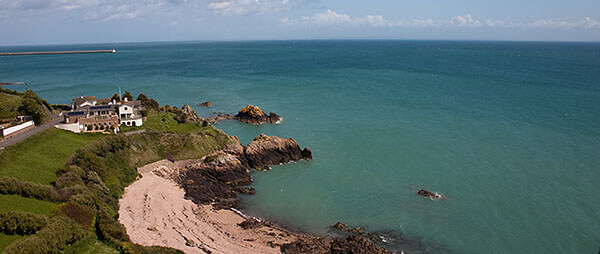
[(21, 223), (10, 185), (83, 215), (60, 232)]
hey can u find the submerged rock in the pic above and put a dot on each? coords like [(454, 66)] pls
[(339, 226), (254, 115), (428, 194), (204, 104), (265, 150), (351, 244)]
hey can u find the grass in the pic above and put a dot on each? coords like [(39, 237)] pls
[(18, 203), (9, 104), (5, 240), (163, 121), (37, 158)]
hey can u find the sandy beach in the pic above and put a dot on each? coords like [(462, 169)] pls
[(155, 212)]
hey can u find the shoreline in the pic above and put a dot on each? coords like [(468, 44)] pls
[(155, 212)]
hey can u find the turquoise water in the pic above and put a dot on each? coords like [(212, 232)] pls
[(508, 132)]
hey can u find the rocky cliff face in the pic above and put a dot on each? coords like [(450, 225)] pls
[(254, 115)]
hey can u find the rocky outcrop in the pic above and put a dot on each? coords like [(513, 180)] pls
[(219, 177), (204, 104), (265, 150), (254, 115), (187, 115), (352, 244), (428, 194)]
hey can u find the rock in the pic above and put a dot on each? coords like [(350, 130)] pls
[(254, 115), (317, 246), (188, 115), (355, 244), (270, 150), (251, 223), (204, 104), (339, 226), (428, 194), (219, 177)]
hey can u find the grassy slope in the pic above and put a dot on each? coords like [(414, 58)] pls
[(9, 104), (37, 158), (18, 203), (162, 121)]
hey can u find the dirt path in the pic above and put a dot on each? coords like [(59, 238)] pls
[(154, 212)]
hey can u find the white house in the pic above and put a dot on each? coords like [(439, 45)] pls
[(128, 116)]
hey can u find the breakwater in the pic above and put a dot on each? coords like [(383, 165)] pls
[(57, 52)]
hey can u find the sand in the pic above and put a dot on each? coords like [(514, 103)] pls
[(155, 212)]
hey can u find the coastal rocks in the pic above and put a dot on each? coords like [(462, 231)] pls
[(339, 226), (204, 104), (219, 177), (251, 223), (254, 115), (265, 150), (428, 194), (351, 244), (187, 114)]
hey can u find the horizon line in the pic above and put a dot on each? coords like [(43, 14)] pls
[(300, 39)]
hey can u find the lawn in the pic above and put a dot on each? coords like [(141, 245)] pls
[(162, 121), (18, 203), (90, 245), (9, 104), (37, 158)]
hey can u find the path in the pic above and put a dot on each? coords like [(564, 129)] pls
[(56, 119)]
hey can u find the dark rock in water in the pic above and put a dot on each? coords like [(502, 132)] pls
[(254, 115), (248, 191), (204, 104), (339, 226), (428, 194), (270, 150), (251, 223)]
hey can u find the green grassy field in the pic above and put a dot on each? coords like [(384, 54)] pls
[(9, 104), (18, 203), (90, 245), (37, 158), (162, 121)]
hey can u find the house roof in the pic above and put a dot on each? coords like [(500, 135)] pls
[(103, 101), (80, 100)]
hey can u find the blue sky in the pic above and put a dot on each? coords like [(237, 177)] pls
[(24, 22)]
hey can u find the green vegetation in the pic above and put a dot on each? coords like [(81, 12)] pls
[(18, 203), (165, 121), (90, 245), (115, 97), (9, 105), (21, 223), (37, 158), (127, 95), (88, 173), (6, 240)]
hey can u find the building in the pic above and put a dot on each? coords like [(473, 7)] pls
[(90, 114)]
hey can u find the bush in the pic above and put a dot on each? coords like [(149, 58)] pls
[(83, 215), (10, 185), (55, 237), (21, 223)]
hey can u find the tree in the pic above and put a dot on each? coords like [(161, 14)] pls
[(32, 108), (115, 97), (127, 95), (142, 97)]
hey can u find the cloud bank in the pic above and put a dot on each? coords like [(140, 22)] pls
[(332, 18)]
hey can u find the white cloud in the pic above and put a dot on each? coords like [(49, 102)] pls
[(332, 18), (245, 7)]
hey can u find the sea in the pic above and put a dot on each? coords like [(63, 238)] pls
[(507, 132)]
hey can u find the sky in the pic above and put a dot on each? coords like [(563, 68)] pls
[(32, 22)]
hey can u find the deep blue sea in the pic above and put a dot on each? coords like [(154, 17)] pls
[(508, 132)]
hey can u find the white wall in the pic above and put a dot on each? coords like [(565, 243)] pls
[(73, 127), (11, 130)]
